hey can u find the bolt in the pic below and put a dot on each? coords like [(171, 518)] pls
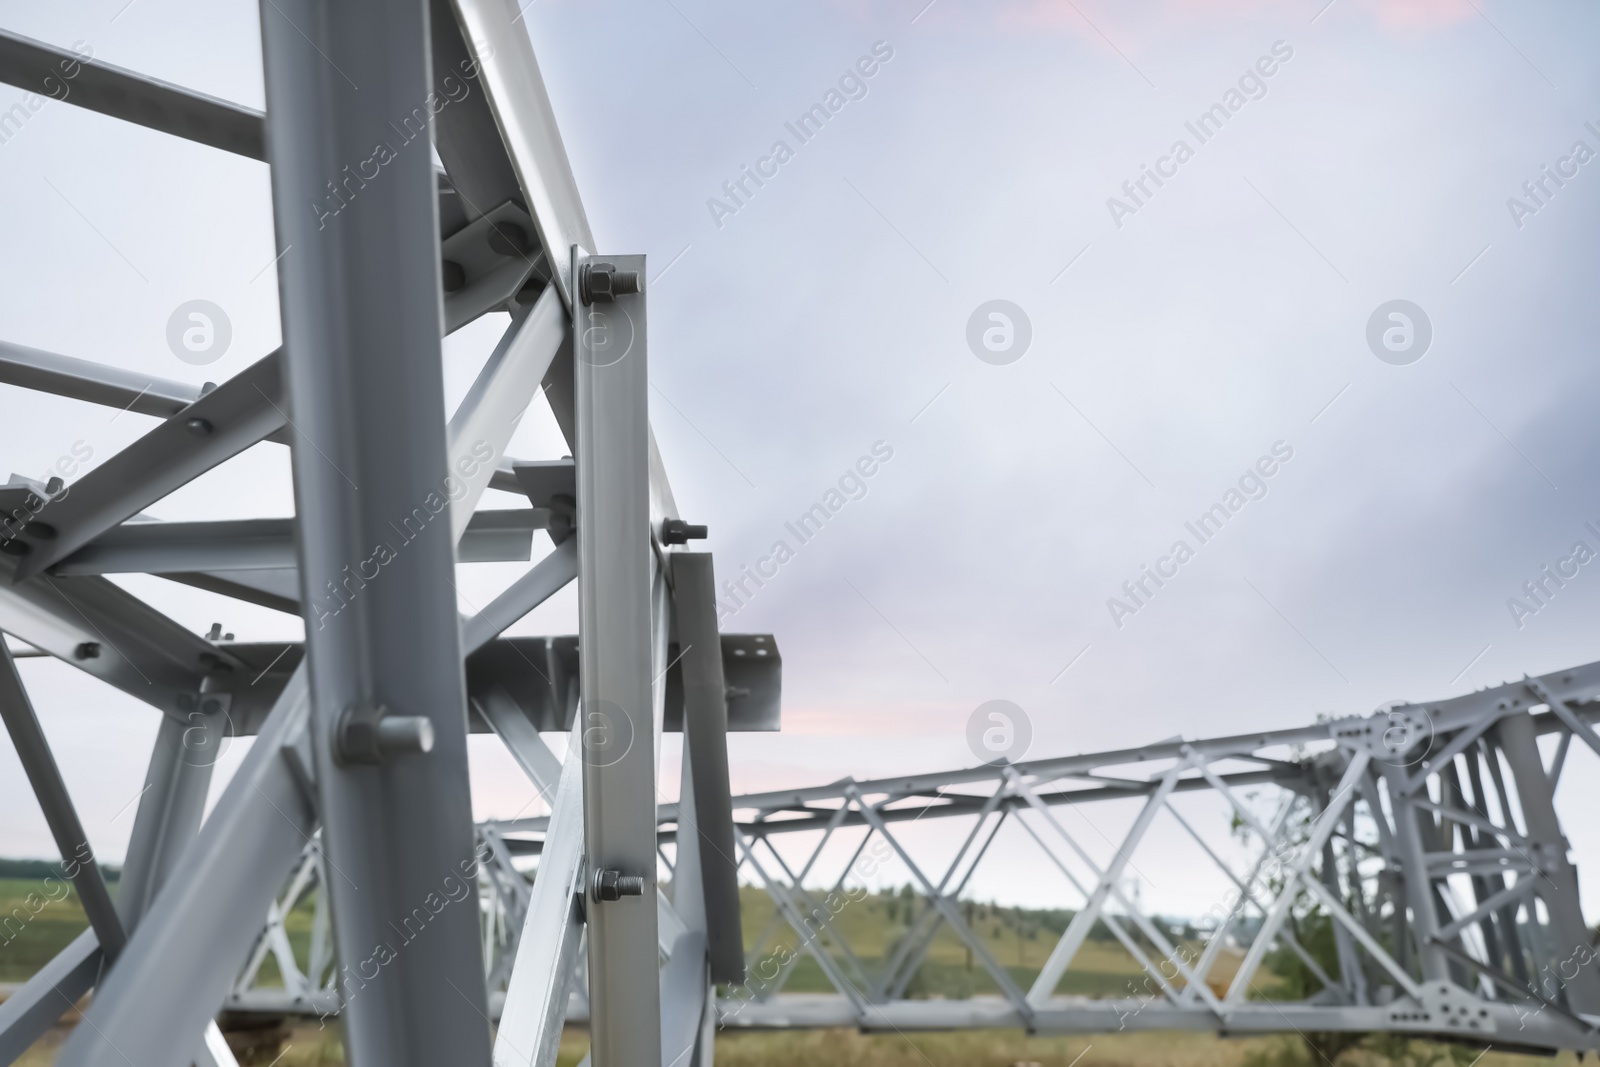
[(367, 735), (601, 283), (508, 239), (405, 733), (87, 650), (199, 427), (614, 885), (678, 532)]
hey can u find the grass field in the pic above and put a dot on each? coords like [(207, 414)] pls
[(33, 927)]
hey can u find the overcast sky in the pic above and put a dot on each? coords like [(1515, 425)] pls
[(1179, 333)]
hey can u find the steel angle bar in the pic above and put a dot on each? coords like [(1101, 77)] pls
[(1473, 819), (94, 383), (1321, 829), (799, 898), (759, 943), (776, 985), (109, 633), (88, 83), (1133, 947), (34, 752), (487, 417), (464, 134), (171, 806), (621, 633), (1559, 879), (234, 545), (218, 426), (1078, 929), (1247, 895), (51, 991), (547, 950), (542, 581), (1002, 978), (39, 763), (909, 969), (705, 725), (910, 954), (510, 75), (361, 328), (1516, 988), (187, 949), (522, 739), (1454, 747), (1270, 837), (685, 986), (1359, 932), (808, 940), (1514, 892), (274, 939), (275, 589), (1582, 730), (1559, 760)]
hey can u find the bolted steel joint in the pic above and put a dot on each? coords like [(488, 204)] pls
[(601, 283), (614, 885), (370, 735), (678, 532)]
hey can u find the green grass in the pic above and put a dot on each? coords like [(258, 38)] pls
[(38, 918), (1019, 940)]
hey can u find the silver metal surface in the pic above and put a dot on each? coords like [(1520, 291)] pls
[(616, 639), (362, 321)]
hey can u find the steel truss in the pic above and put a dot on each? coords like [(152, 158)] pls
[(355, 789), (1426, 832)]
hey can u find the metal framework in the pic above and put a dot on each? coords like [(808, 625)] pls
[(1426, 834)]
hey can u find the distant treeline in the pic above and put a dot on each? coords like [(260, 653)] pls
[(42, 869)]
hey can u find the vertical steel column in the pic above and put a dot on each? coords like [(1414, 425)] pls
[(1418, 880), (348, 105), (615, 634), (1557, 877)]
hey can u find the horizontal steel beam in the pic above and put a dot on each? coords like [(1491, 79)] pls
[(93, 383), (122, 94), (268, 544)]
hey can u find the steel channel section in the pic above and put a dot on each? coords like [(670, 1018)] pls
[(616, 654), (705, 727), (361, 327)]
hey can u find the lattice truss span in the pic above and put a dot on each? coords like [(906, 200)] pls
[(1421, 841), (1425, 835)]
